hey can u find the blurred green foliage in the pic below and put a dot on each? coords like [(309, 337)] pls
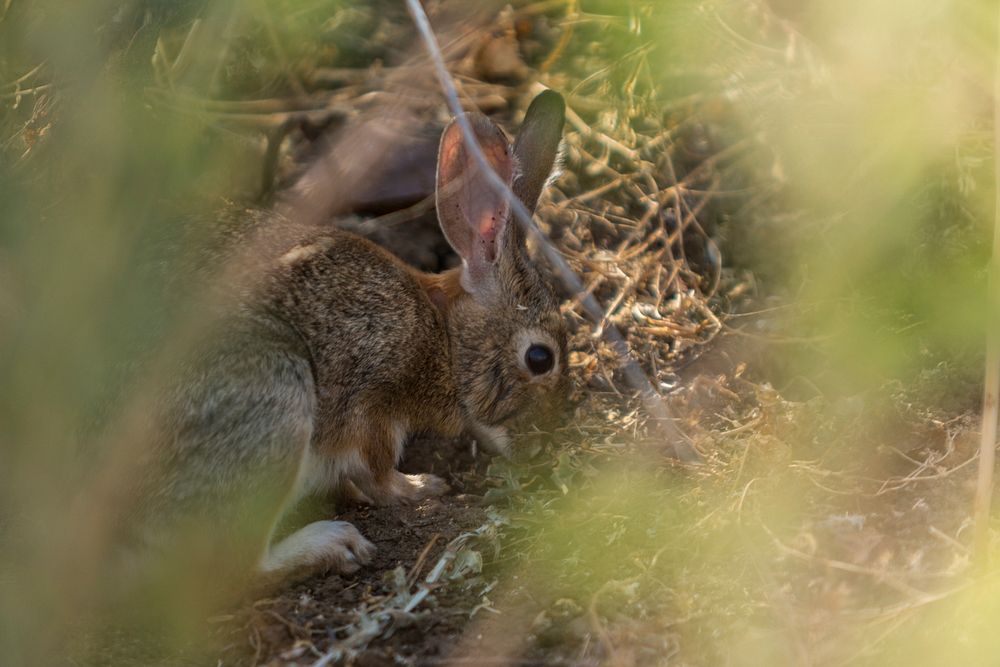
[(881, 130)]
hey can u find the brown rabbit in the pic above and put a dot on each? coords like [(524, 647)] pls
[(321, 372)]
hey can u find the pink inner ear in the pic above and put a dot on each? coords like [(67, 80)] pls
[(480, 211), (498, 154), (488, 228), (492, 217)]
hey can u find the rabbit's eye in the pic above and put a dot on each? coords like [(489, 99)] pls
[(539, 359)]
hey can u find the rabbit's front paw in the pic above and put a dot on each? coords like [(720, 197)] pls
[(401, 488), (425, 486), (396, 488), (333, 546)]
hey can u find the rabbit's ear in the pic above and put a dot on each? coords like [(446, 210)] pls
[(472, 215), (537, 145)]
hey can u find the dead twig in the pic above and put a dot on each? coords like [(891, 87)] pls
[(635, 377), (991, 388)]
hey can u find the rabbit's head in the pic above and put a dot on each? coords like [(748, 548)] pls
[(507, 335)]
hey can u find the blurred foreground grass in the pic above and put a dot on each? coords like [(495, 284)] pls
[(850, 186)]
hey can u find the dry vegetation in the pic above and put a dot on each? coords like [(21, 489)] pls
[(822, 527)]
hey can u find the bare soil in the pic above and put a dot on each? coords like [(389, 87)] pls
[(290, 627)]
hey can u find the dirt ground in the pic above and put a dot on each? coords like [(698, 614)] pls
[(295, 624)]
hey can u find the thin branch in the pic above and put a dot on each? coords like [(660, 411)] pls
[(991, 390), (652, 401)]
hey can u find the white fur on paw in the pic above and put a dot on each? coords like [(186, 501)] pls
[(334, 546), (427, 486), (494, 439)]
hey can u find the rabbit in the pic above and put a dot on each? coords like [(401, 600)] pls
[(341, 351)]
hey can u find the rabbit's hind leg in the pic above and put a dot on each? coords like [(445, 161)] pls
[(333, 546), (219, 478)]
